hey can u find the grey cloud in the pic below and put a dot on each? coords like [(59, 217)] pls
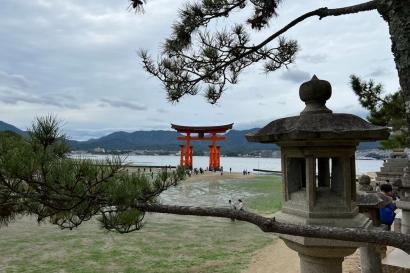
[(161, 110), (154, 119), (10, 96), (123, 103), (15, 88), (314, 58), (353, 109), (13, 80), (378, 72), (252, 124), (295, 75)]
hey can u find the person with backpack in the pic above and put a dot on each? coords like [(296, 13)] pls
[(386, 212)]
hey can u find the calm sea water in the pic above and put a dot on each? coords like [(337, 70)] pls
[(238, 164)]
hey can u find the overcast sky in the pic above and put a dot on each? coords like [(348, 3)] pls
[(78, 60)]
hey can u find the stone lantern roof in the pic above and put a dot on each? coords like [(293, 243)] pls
[(317, 122)]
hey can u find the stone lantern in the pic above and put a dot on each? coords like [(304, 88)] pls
[(318, 164)]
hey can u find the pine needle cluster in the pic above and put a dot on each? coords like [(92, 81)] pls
[(384, 110)]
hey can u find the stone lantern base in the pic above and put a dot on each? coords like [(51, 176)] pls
[(320, 259), (322, 255)]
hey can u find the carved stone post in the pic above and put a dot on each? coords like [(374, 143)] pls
[(369, 204)]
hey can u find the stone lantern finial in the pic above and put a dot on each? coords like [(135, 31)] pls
[(315, 93)]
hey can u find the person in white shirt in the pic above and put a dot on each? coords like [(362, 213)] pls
[(240, 205)]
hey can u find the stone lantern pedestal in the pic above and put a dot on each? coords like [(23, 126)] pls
[(370, 254), (404, 203), (398, 260), (320, 259), (319, 174)]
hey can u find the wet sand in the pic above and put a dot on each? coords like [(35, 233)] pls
[(216, 176)]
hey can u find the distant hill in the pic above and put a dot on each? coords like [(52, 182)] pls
[(369, 145), (166, 140), (8, 127)]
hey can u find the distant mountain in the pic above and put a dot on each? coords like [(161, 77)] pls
[(138, 140), (369, 145), (8, 127), (167, 140)]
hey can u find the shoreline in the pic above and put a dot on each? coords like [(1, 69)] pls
[(215, 176)]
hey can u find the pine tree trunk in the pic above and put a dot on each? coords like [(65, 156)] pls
[(397, 15)]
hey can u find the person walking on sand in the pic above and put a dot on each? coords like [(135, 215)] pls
[(240, 205), (233, 207)]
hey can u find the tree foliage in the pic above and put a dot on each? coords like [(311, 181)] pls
[(384, 110), (37, 177), (196, 58)]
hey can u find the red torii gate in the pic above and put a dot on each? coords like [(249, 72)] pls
[(214, 151)]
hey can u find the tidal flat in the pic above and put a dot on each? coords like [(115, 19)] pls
[(167, 243)]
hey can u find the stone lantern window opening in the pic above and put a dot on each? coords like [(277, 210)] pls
[(295, 175), (330, 177), (323, 170)]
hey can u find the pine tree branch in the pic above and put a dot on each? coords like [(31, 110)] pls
[(185, 68), (368, 92), (321, 13), (394, 239)]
